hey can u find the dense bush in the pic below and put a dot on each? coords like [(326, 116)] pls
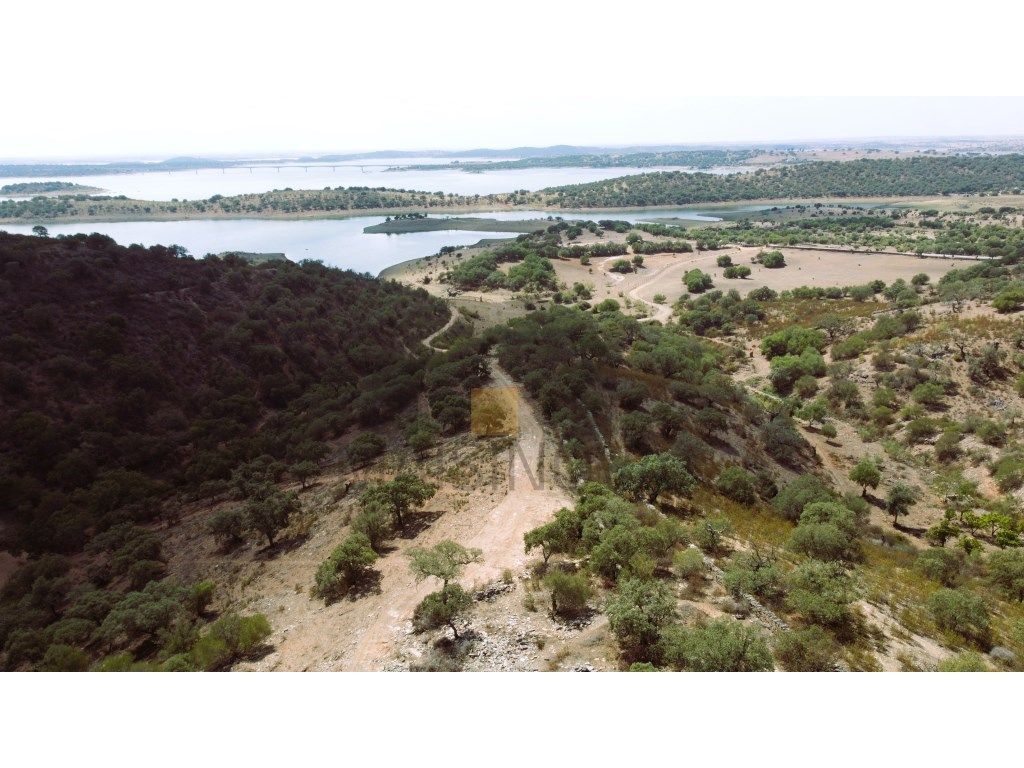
[(961, 611), (809, 649), (723, 645), (737, 484)]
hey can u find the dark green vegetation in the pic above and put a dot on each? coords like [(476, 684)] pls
[(96, 169), (953, 234), (134, 380), (856, 178), (530, 256), (695, 158), (285, 203), (44, 187), (582, 366)]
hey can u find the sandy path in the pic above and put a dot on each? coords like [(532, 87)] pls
[(662, 312), (531, 499), (657, 278), (429, 341)]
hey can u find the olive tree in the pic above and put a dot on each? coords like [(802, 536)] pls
[(442, 608), (651, 476), (637, 613), (866, 474), (445, 561), (399, 496)]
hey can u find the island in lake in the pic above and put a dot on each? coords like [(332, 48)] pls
[(30, 188)]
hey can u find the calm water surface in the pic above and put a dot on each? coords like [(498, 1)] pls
[(337, 242), (202, 184)]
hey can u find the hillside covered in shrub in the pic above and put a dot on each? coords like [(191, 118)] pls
[(131, 372)]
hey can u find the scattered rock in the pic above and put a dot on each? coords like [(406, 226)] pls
[(1003, 654), (491, 591), (738, 608)]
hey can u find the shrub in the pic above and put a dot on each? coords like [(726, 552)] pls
[(750, 573), (737, 273), (786, 369), (228, 639), (346, 567), (697, 281), (960, 611), (947, 447), (637, 613), (442, 608), (943, 565), (806, 386), (1006, 572), (809, 649), (723, 645), (820, 592), (365, 447), (141, 614), (792, 341), (803, 490), (967, 661), (227, 526), (71, 631), (737, 484), (986, 364), (1009, 299), (375, 523), (851, 347), (991, 432), (569, 592), (771, 259), (921, 429), (689, 563), (709, 534), (1008, 471), (827, 531), (929, 394), (63, 658)]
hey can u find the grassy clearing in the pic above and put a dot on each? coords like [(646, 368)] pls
[(757, 525), (783, 313)]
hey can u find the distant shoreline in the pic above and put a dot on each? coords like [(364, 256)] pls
[(949, 202)]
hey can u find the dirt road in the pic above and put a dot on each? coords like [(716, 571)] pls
[(367, 633), (429, 341)]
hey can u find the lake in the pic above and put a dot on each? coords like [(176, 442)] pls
[(202, 184), (337, 242)]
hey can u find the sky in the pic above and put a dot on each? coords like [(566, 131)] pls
[(117, 79)]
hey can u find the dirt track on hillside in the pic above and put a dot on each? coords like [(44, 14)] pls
[(366, 633)]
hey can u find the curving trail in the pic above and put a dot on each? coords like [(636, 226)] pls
[(429, 341), (660, 312)]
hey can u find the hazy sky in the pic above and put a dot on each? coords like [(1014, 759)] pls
[(106, 78)]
